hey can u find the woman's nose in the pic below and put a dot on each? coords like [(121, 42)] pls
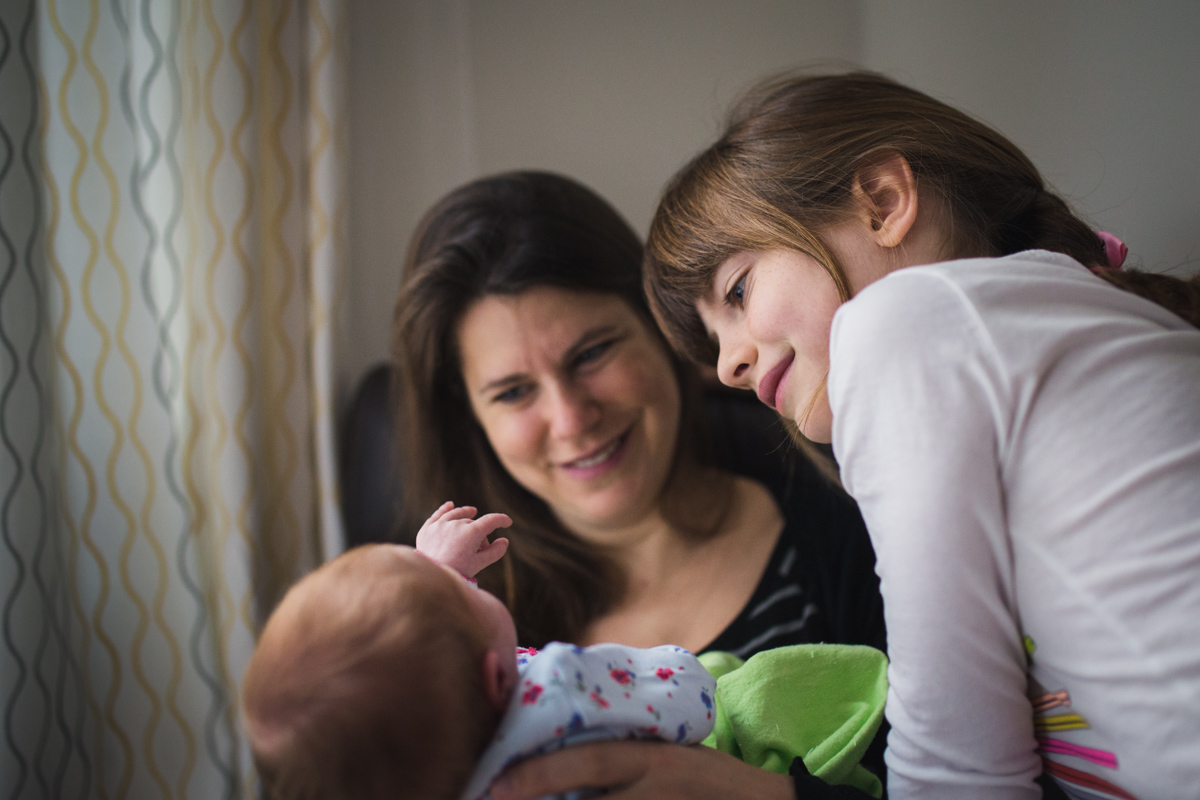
[(572, 411)]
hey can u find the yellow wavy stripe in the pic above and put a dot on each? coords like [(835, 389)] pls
[(1062, 722), (201, 499), (245, 607), (282, 532), (97, 617), (114, 456), (68, 438)]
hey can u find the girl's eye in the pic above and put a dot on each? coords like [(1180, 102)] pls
[(514, 395), (737, 294)]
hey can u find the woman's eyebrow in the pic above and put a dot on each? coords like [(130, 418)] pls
[(498, 383)]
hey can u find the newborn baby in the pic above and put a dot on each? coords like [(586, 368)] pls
[(387, 673)]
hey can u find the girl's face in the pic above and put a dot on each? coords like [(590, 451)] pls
[(578, 400), (770, 313)]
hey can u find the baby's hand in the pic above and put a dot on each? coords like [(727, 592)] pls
[(453, 536)]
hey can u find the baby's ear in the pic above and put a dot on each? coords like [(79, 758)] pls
[(497, 685)]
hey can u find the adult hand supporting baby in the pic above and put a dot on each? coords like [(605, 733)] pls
[(642, 771)]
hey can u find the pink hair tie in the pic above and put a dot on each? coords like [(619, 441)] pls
[(1114, 250)]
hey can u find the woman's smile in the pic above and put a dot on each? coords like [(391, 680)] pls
[(599, 461)]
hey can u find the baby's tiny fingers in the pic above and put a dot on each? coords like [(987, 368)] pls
[(490, 522), (489, 553), (441, 510), (462, 512)]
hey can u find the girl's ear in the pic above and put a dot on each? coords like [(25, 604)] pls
[(887, 192), (496, 683)]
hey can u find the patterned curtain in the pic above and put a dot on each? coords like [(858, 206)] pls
[(171, 235)]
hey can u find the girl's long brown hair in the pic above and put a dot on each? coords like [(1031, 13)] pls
[(784, 169), (501, 236)]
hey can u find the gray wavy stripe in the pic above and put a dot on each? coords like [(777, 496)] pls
[(54, 653), (7, 530), (44, 745)]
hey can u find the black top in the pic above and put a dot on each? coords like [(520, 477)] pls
[(820, 583)]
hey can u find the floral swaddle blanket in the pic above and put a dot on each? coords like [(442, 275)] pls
[(569, 695)]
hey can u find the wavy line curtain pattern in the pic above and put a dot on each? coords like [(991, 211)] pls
[(171, 235)]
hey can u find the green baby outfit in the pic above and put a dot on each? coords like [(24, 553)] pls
[(819, 702)]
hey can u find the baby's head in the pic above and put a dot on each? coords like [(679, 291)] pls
[(381, 674)]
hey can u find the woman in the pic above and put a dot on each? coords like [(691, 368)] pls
[(1016, 416), (534, 382)]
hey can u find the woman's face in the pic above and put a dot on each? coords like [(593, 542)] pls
[(578, 400)]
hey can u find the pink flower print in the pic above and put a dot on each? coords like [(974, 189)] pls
[(620, 676), (664, 673), (531, 695), (598, 700)]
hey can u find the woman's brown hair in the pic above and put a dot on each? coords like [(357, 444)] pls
[(784, 170), (501, 236)]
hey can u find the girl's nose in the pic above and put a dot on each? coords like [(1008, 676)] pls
[(733, 364)]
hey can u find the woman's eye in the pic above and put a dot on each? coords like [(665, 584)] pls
[(514, 395), (591, 353), (737, 294)]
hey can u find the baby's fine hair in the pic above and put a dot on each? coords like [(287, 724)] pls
[(784, 171), (367, 683)]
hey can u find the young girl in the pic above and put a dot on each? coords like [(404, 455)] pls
[(1018, 419)]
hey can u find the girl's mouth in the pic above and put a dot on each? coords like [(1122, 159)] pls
[(768, 388)]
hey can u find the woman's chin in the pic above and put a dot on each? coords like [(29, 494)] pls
[(614, 508)]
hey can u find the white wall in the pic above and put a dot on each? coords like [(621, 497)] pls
[(616, 93), (1104, 95)]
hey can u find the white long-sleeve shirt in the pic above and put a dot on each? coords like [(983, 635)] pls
[(1024, 442)]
